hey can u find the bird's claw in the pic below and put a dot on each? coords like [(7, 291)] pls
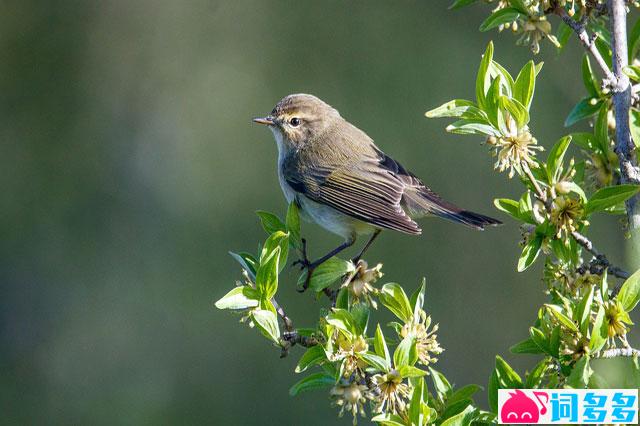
[(304, 262)]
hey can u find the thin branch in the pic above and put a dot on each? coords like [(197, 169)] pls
[(587, 41), (618, 352), (624, 148), (291, 337)]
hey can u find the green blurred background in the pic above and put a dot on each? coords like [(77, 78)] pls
[(131, 167)]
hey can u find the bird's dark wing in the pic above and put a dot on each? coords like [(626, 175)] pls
[(361, 189)]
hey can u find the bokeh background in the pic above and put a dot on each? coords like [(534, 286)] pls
[(130, 167)]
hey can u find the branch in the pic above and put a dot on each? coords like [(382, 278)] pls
[(599, 259), (618, 352), (291, 337), (588, 42), (624, 148)]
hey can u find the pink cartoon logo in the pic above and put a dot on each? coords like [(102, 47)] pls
[(519, 408)]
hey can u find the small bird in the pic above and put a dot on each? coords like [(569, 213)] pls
[(343, 182)]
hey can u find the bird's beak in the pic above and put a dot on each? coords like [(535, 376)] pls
[(268, 120)]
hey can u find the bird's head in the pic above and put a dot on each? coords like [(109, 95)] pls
[(299, 118)]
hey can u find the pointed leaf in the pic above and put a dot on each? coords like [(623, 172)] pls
[(314, 381), (239, 298), (629, 295), (314, 355)]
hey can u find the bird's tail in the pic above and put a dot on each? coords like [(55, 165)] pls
[(420, 202)]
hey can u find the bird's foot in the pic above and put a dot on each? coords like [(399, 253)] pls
[(307, 280), (304, 262)]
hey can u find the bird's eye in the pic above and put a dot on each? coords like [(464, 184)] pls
[(295, 121)]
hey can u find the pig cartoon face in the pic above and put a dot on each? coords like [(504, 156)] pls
[(519, 408)]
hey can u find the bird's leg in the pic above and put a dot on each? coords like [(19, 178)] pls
[(304, 262), (366, 246), (311, 266)]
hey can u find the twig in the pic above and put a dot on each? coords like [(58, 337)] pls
[(588, 43), (290, 336), (618, 352), (624, 148)]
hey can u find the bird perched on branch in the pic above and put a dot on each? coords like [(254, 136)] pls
[(343, 182)]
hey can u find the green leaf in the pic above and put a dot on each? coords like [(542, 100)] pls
[(441, 384), (589, 77), (463, 393), (492, 393), (482, 79), (380, 345), (407, 371), (525, 84), (604, 47), (516, 110), (583, 312), (472, 127), (277, 239), (313, 356), (580, 374), (530, 252), (242, 297), (342, 319), (293, 225), (506, 80), (610, 196), (329, 272), (267, 323), (634, 126), (534, 379), (582, 110), (457, 108), (527, 346), (417, 299), (360, 314), (461, 3), (634, 40), (270, 222), (461, 419), (267, 276), (633, 72), (584, 140), (512, 208), (500, 17), (554, 342), (562, 35), (601, 128), (406, 352), (507, 377), (599, 332), (314, 381), (392, 296), (567, 322), (415, 413), (377, 362), (629, 295), (387, 419), (555, 157), (248, 262)]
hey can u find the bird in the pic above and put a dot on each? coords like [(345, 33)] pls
[(342, 181)]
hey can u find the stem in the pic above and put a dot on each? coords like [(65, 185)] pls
[(616, 352), (621, 103), (587, 41)]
